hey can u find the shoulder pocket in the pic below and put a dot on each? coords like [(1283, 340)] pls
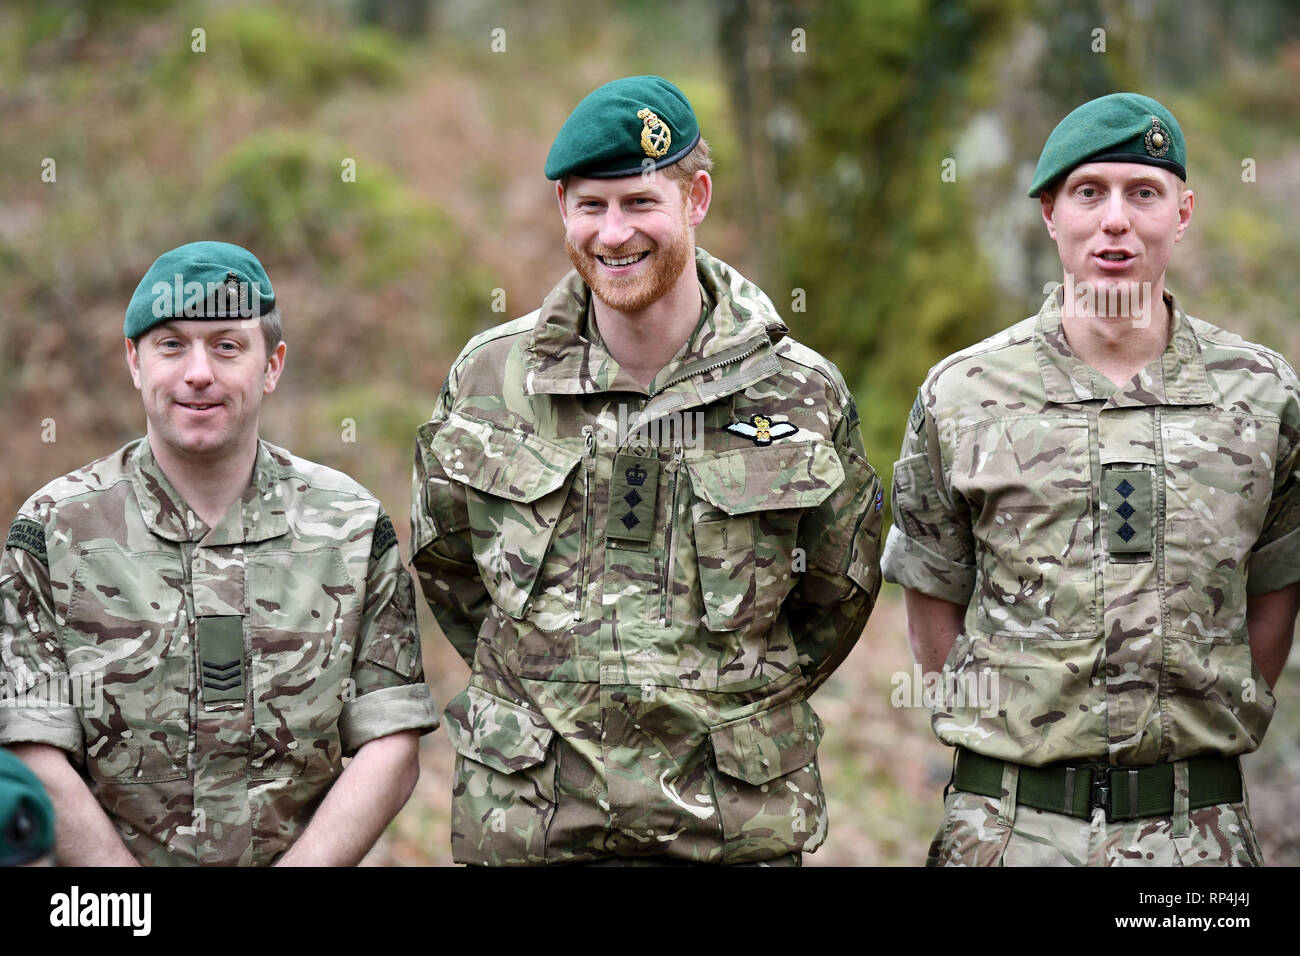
[(518, 486)]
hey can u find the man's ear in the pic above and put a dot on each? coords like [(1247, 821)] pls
[(559, 197), (274, 366), (1185, 203), (699, 196), (1047, 204), (133, 363)]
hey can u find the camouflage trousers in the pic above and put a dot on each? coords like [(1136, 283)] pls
[(987, 831)]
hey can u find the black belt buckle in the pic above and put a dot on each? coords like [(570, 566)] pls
[(1101, 790)]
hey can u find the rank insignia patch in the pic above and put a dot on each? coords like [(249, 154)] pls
[(632, 491), (762, 430)]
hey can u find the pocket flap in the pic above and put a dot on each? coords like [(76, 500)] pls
[(507, 464), (496, 732), (768, 744), (789, 475)]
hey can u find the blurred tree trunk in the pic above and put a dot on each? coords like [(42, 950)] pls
[(404, 18), (746, 37)]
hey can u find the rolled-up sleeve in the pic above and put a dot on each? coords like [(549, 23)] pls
[(1275, 559), (929, 548), (35, 689), (388, 674)]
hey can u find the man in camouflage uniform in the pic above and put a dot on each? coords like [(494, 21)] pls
[(643, 517), (199, 627), (1097, 508)]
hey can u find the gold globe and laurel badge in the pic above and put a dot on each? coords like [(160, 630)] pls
[(656, 137), (1157, 140)]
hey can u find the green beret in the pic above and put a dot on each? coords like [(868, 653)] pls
[(190, 283), (1119, 128), (616, 128), (26, 815)]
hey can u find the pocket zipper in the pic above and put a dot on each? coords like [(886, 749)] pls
[(588, 463), (670, 550)]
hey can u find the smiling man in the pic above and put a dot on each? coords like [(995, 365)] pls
[(198, 628), (645, 611), (1099, 507)]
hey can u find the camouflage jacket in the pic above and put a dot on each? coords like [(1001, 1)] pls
[(208, 681), (645, 612), (1104, 541)]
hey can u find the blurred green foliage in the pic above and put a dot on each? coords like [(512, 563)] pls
[(830, 124)]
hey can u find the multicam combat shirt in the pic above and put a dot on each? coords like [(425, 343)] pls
[(646, 613), (207, 681), (1104, 540)]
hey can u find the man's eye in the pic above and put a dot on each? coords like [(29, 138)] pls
[(1087, 192), (1146, 193)]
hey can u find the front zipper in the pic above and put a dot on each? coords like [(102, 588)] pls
[(588, 466), (670, 551), (743, 351), (717, 363)]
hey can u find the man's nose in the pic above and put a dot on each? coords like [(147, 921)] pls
[(1115, 217), (614, 228), (198, 368)]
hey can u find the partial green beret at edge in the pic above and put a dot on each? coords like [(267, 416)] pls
[(26, 814), (191, 282), (1117, 128), (621, 125)]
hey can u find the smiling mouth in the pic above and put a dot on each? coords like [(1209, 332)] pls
[(625, 260), (198, 407), (1115, 256)]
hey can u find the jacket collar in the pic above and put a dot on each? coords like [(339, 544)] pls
[(1176, 377), (257, 516)]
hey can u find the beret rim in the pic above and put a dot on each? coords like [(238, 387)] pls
[(636, 170), (1177, 168)]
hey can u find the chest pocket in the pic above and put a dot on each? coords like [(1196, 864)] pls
[(527, 529), (745, 513), (303, 616), (1218, 485), (1029, 481), (126, 633)]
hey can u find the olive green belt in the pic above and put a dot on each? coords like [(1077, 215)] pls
[(1125, 793)]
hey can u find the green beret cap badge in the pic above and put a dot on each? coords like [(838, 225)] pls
[(1157, 143), (199, 280), (622, 128), (1118, 128)]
